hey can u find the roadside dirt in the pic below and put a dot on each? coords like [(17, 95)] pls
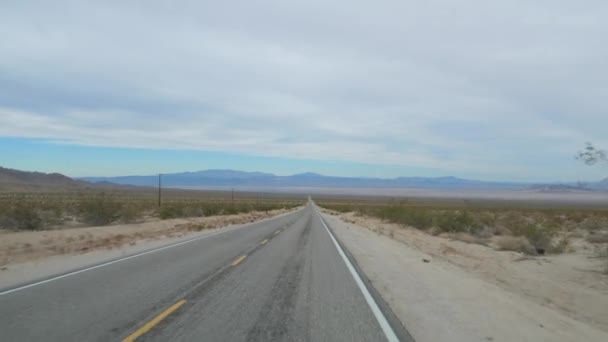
[(444, 289), (19, 247)]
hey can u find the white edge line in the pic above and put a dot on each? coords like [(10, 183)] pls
[(384, 325), (115, 261), (107, 264)]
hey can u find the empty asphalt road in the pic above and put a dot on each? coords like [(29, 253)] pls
[(285, 279)]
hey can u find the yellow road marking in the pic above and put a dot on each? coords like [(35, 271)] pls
[(263, 242), (277, 232), (154, 322), (238, 260)]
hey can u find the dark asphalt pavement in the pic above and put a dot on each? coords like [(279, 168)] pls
[(278, 280)]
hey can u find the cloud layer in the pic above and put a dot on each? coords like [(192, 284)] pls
[(467, 87)]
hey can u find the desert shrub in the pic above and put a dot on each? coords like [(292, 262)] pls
[(130, 213), (232, 209), (515, 243), (100, 209), (593, 223), (537, 235), (50, 217), (192, 211), (212, 209), (170, 211), (487, 218), (25, 217), (415, 217), (561, 245), (458, 221), (598, 237), (511, 219)]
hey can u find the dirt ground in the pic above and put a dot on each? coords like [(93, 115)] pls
[(19, 247), (444, 289)]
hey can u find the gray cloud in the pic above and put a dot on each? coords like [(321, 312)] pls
[(468, 87)]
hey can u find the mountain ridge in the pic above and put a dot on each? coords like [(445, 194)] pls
[(16, 180), (216, 177)]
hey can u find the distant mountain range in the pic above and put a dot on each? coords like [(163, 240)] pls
[(16, 181), (226, 178)]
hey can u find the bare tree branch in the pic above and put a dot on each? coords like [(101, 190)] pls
[(591, 155)]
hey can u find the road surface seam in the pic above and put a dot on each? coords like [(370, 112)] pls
[(382, 321)]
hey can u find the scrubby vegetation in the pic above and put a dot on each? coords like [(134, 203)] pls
[(37, 211), (524, 229)]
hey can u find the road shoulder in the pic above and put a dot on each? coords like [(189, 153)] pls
[(438, 301)]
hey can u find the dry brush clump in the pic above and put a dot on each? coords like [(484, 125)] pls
[(527, 230), (515, 244)]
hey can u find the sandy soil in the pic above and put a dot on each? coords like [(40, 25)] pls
[(470, 292), (19, 247)]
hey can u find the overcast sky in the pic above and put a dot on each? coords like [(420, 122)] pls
[(481, 89)]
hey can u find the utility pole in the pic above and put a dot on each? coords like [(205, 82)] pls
[(159, 188)]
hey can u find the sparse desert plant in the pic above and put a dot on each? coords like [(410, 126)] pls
[(170, 211), (26, 217), (540, 237), (598, 237), (561, 245), (594, 223), (515, 243), (415, 217), (456, 221), (130, 213)]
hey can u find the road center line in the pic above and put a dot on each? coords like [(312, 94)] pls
[(384, 325), (148, 326), (264, 242), (238, 260)]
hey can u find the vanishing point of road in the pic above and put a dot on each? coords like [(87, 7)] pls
[(284, 279)]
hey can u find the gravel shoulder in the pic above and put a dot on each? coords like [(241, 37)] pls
[(445, 290), (28, 256)]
